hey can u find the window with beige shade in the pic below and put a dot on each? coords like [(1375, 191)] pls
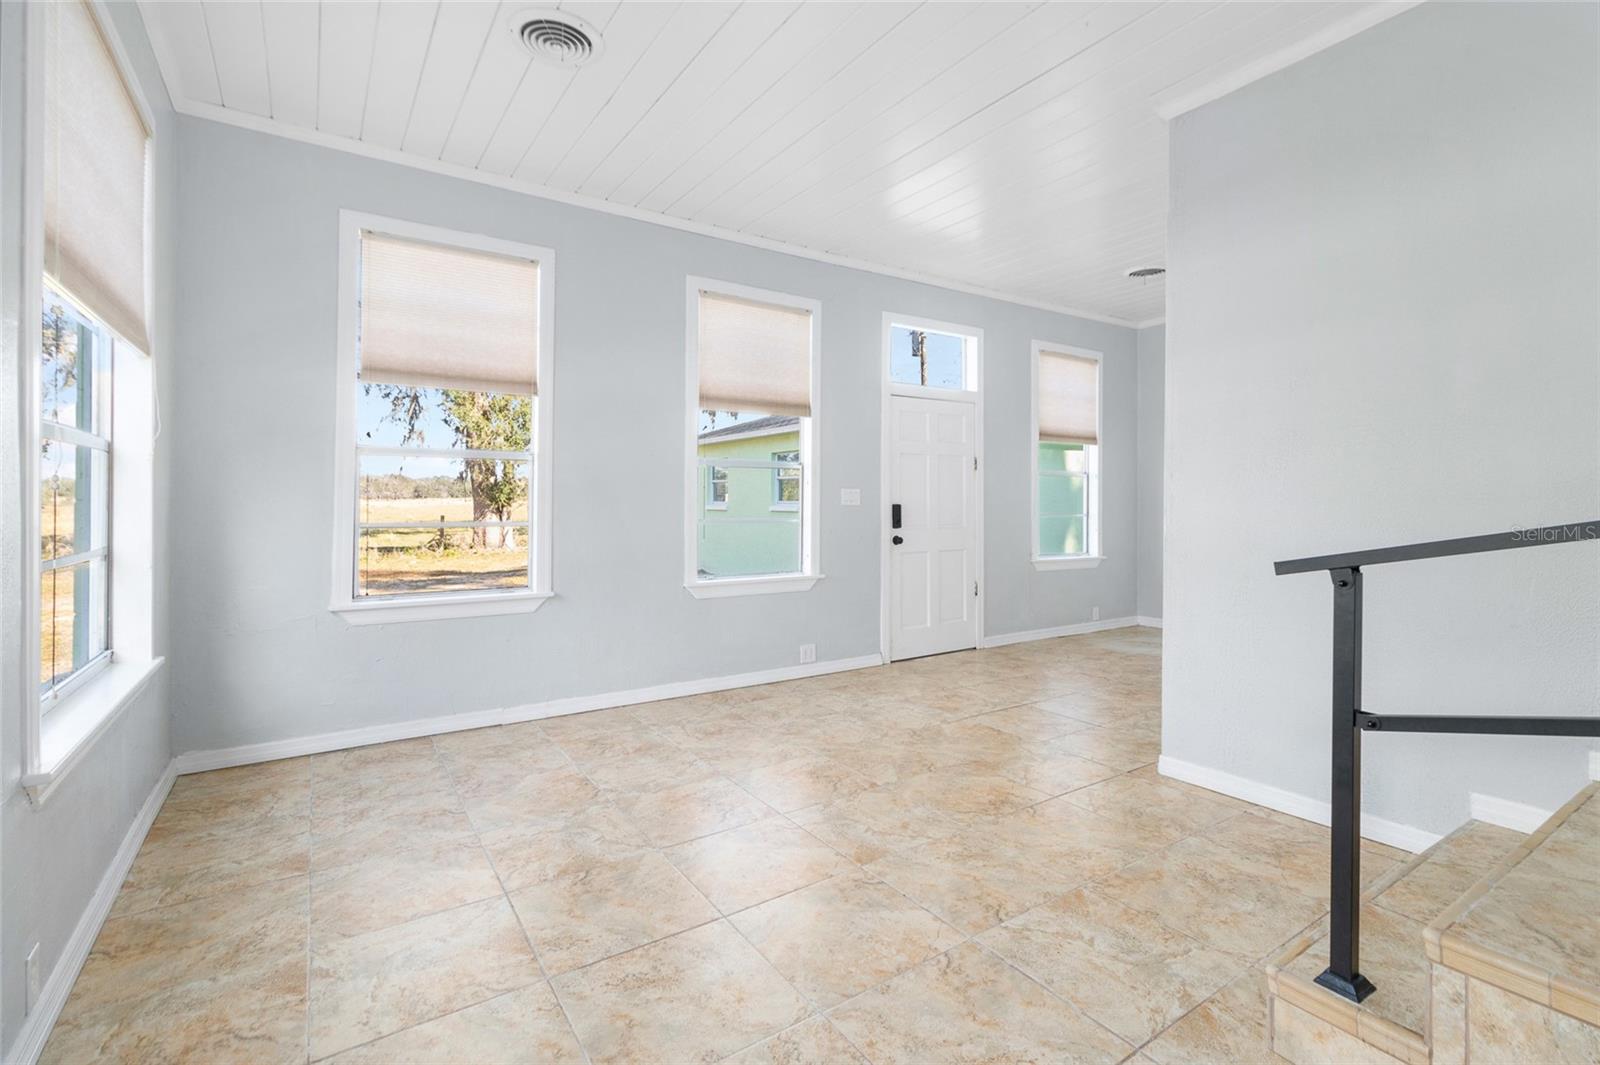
[(751, 467), (1066, 456), (443, 494)]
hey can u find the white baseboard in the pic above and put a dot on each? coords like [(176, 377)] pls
[(1519, 816), (1004, 638), (36, 1027), (1147, 622), (201, 761), (1393, 833)]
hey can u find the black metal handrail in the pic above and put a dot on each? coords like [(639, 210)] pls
[(1343, 975)]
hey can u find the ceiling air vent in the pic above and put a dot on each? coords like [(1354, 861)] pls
[(1147, 271), (557, 37)]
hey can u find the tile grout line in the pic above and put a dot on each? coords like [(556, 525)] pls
[(533, 949), (722, 916), (801, 740), (971, 938)]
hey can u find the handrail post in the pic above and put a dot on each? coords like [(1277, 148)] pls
[(1343, 975)]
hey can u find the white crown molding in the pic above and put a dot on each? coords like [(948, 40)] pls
[(1406, 837), (1170, 105), (257, 124), (36, 1028), (1148, 322)]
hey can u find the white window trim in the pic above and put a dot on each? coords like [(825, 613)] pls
[(971, 355), (810, 481), (118, 350), (52, 746), (1094, 556), (435, 605)]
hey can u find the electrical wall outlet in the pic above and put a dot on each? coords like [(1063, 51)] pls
[(1094, 613), (849, 497), (33, 977), (808, 653)]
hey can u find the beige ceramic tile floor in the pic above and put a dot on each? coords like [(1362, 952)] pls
[(967, 857)]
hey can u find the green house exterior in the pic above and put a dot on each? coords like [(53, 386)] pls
[(1063, 499), (748, 519)]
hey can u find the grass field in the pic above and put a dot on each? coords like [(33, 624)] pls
[(402, 561), (391, 562), (55, 589), (55, 624), (449, 508)]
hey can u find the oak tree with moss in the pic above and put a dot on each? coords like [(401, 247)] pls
[(481, 421)]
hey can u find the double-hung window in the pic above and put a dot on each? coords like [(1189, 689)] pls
[(443, 490), (752, 383), (786, 480), (1066, 459), (74, 495), (89, 387)]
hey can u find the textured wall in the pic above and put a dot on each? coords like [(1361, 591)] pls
[(1152, 461), (258, 253), (53, 857), (1382, 328)]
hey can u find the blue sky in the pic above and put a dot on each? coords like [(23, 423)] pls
[(945, 367), (944, 353)]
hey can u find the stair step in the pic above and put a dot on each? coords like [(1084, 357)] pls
[(1516, 959), (1392, 1019), (1312, 1024)]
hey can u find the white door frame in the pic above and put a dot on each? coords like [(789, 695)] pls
[(973, 376)]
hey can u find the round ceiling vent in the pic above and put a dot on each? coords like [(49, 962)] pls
[(557, 37), (1147, 271)]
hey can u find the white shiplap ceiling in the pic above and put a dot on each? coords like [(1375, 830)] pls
[(1009, 147)]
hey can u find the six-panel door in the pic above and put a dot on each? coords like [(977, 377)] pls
[(933, 572)]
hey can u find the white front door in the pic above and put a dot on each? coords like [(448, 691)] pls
[(933, 555)]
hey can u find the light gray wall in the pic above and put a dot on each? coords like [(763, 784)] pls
[(263, 659), (53, 857), (1152, 434), (1383, 329)]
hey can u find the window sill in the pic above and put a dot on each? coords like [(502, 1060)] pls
[(787, 508), (1070, 562), (733, 586), (70, 729), (414, 608)]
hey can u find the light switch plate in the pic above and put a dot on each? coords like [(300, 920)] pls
[(849, 497)]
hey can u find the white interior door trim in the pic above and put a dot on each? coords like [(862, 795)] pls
[(974, 395)]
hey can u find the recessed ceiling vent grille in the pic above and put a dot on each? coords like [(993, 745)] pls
[(1147, 271), (557, 37)]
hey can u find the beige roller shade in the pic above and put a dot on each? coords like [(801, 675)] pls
[(440, 317), (1069, 398), (94, 173), (754, 356)]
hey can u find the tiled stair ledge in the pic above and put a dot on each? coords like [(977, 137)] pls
[(1544, 949), (1311, 1024)]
